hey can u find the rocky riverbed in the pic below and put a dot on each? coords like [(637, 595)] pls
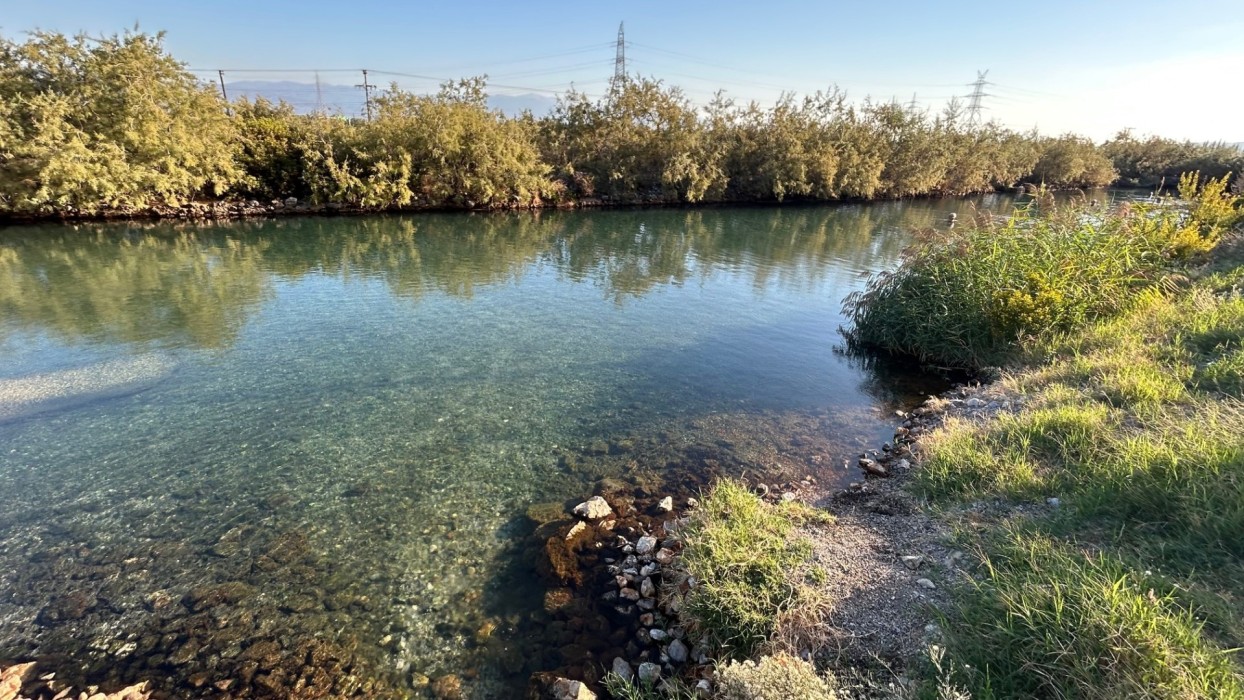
[(202, 596)]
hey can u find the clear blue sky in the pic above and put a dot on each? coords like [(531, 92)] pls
[(1091, 67)]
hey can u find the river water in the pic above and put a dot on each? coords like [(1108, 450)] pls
[(330, 431)]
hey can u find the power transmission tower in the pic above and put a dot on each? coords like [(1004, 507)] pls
[(974, 99), (619, 61), (319, 94), (911, 106), (367, 88)]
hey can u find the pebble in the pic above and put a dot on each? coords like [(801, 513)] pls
[(913, 561), (645, 545), (925, 584), (649, 673), (593, 508), (871, 466), (666, 504), (664, 556), (646, 589), (566, 689), (677, 651), (1053, 502), (657, 634), (622, 668)]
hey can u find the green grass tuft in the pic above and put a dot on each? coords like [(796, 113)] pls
[(756, 587), (1049, 621)]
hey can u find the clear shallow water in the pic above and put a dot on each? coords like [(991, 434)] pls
[(350, 417)]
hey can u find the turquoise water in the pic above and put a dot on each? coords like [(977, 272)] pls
[(351, 416)]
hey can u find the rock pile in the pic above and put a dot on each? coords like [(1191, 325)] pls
[(617, 595)]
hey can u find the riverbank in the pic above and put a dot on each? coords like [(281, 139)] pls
[(237, 210)]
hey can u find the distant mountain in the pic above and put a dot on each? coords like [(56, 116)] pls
[(348, 100), (512, 105)]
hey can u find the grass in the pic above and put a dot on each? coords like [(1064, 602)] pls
[(1134, 587), (620, 688), (1050, 621), (756, 585), (976, 296)]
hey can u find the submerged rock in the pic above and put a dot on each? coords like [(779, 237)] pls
[(448, 687), (72, 606)]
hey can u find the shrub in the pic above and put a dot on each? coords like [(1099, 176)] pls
[(110, 123), (779, 677), (971, 297)]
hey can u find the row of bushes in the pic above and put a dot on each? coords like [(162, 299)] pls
[(116, 124)]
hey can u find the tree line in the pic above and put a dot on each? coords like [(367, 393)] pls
[(117, 125)]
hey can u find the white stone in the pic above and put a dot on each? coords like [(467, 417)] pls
[(657, 634), (646, 589), (666, 504), (566, 689), (575, 530), (649, 673), (925, 583), (645, 545), (664, 556), (593, 508), (913, 561)]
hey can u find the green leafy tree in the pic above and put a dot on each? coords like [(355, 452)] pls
[(111, 123)]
